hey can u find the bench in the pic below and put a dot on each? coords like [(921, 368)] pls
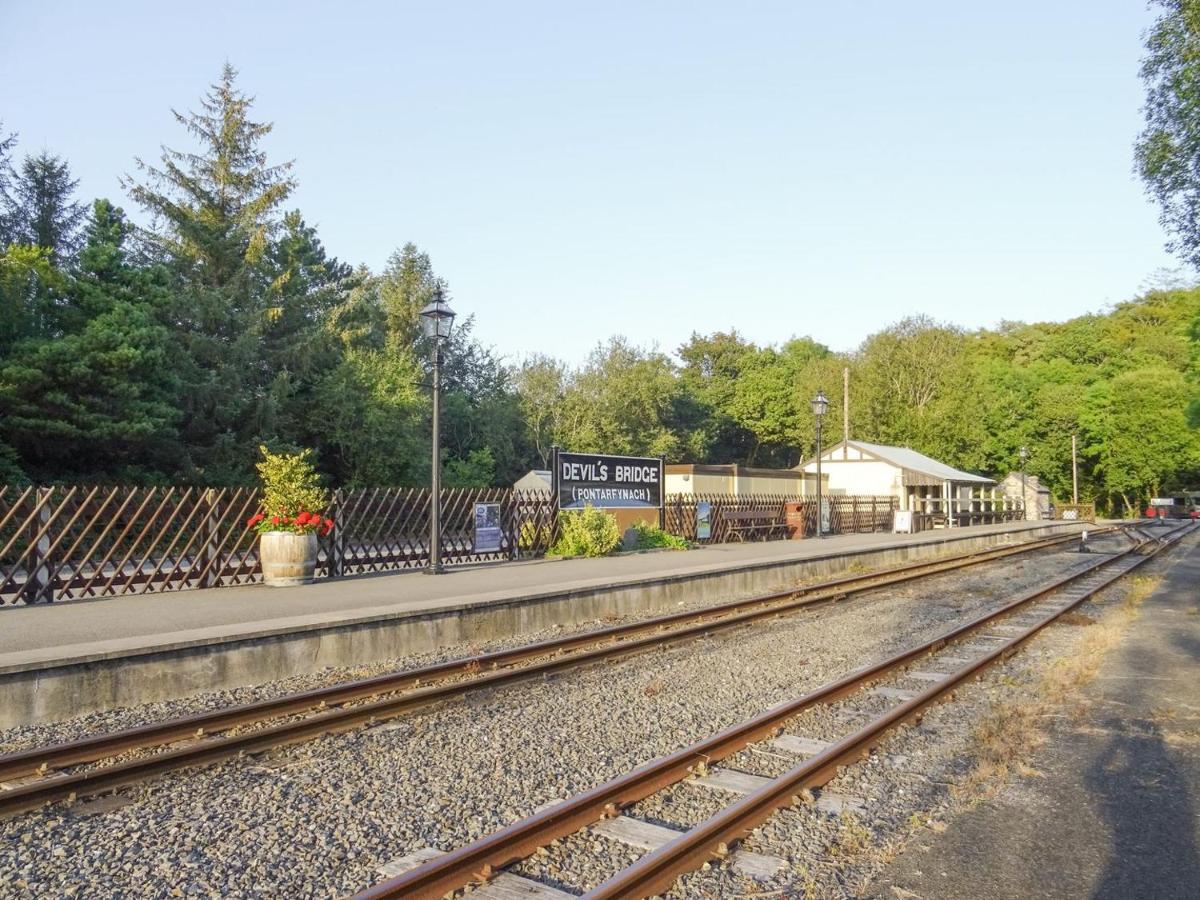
[(749, 524)]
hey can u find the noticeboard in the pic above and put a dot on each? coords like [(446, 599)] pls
[(608, 482), (488, 531), (703, 520)]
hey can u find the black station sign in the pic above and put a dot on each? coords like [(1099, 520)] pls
[(612, 482)]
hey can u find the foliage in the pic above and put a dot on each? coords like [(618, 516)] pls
[(533, 536), (651, 537), (586, 532), (292, 495), (171, 354), (1166, 152), (42, 211)]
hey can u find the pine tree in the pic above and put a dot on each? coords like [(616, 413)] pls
[(6, 179), (100, 399), (216, 211), (406, 286), (44, 212)]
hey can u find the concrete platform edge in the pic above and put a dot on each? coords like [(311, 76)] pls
[(53, 684)]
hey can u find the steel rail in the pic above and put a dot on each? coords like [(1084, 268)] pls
[(41, 760), (484, 857), (658, 870), (23, 797)]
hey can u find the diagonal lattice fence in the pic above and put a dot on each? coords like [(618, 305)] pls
[(846, 515), (78, 542)]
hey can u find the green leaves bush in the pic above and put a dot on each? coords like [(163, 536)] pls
[(651, 537), (586, 532), (290, 484)]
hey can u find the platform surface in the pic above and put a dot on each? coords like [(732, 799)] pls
[(1115, 813), (33, 636)]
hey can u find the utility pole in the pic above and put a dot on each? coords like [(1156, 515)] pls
[(846, 412), (1074, 473)]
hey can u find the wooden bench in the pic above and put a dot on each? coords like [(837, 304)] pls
[(749, 524)]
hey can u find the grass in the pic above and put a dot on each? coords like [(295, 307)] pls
[(1006, 738)]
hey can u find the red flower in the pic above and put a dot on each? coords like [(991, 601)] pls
[(328, 525), (302, 519), (274, 520), (254, 520)]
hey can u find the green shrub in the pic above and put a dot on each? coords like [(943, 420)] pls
[(586, 532), (290, 484), (533, 536), (651, 537)]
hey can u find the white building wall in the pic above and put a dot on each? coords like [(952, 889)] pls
[(861, 477)]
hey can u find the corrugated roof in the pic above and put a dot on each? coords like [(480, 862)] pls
[(912, 461)]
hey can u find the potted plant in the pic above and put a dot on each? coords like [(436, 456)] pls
[(290, 518)]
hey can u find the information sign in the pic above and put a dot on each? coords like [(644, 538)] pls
[(488, 532), (611, 482)]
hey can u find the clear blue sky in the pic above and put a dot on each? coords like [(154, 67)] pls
[(577, 170)]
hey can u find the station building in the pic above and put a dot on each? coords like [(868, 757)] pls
[(735, 480), (919, 483), (1035, 494)]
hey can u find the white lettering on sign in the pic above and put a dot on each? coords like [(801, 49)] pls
[(637, 474), (589, 472)]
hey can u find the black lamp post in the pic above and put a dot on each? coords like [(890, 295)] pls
[(1024, 454), (820, 405), (437, 319)]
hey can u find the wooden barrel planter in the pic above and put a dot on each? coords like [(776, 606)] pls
[(288, 559)]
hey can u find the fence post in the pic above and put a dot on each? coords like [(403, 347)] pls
[(337, 547), (38, 588), (210, 574)]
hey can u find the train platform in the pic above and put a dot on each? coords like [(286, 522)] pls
[(1118, 792), (68, 658)]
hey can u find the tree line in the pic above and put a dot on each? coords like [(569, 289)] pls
[(169, 352)]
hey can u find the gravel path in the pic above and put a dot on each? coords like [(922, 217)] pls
[(316, 819)]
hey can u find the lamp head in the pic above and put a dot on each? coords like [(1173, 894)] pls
[(437, 318), (820, 404)]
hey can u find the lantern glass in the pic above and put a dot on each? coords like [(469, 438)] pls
[(437, 318), (820, 404)]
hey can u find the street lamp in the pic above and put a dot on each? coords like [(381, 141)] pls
[(437, 318), (1023, 453), (820, 405)]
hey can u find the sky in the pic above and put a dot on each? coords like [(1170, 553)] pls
[(652, 169)]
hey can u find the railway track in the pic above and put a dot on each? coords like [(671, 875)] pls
[(34, 777), (946, 662)]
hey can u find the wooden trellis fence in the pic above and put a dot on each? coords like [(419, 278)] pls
[(78, 542), (846, 514)]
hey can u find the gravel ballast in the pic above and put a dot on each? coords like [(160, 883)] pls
[(317, 819)]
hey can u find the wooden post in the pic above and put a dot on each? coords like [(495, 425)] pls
[(38, 588), (337, 547), (846, 412), (662, 493), (1074, 473), (210, 570)]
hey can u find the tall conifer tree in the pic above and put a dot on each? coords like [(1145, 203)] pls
[(216, 209), (44, 211)]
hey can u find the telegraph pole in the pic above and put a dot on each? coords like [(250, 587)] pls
[(1074, 473)]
